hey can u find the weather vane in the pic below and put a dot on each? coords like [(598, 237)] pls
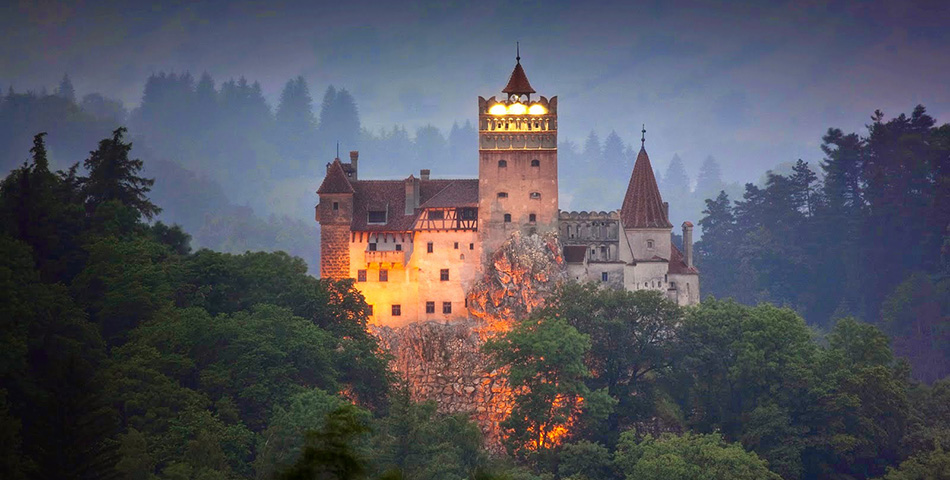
[(643, 135)]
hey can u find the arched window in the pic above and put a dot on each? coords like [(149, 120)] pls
[(502, 163), (502, 194), (535, 195), (507, 218), (535, 163)]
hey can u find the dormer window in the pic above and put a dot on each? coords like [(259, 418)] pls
[(502, 194), (376, 216), (502, 163), (535, 195), (535, 163)]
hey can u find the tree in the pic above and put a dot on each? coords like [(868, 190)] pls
[(688, 457), (66, 89), (709, 181), (294, 120), (330, 452), (613, 157), (113, 176), (593, 153)]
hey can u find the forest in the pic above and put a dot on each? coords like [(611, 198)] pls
[(145, 336)]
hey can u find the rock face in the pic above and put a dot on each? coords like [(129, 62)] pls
[(444, 362)]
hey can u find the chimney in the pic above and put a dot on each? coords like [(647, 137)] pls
[(424, 173), (688, 242), (412, 195), (354, 162), (666, 211)]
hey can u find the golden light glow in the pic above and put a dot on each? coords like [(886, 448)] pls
[(498, 109), (537, 109), (517, 109)]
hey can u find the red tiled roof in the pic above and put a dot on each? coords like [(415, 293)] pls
[(643, 205), (678, 263), (459, 193), (335, 181), (518, 82), (390, 196)]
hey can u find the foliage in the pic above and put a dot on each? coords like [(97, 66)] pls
[(688, 457)]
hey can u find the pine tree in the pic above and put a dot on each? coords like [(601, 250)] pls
[(593, 153), (113, 176), (66, 89), (614, 160)]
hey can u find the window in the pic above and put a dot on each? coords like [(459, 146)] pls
[(336, 205), (377, 216), (430, 307), (361, 275), (398, 247), (672, 285), (535, 195), (397, 310), (502, 194), (603, 276), (372, 247), (468, 214), (436, 214), (532, 217), (446, 307), (383, 275), (535, 163), (456, 245), (507, 218), (471, 246), (603, 252), (502, 163), (429, 247), (649, 243), (444, 274)]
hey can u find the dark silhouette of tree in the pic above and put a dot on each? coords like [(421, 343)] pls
[(66, 89), (114, 176)]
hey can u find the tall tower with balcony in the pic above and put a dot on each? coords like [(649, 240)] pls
[(517, 163)]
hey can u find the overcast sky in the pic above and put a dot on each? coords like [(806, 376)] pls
[(754, 85)]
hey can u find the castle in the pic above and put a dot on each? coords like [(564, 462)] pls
[(416, 246)]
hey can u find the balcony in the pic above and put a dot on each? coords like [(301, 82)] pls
[(384, 257)]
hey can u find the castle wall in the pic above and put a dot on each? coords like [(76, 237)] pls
[(686, 289), (334, 251)]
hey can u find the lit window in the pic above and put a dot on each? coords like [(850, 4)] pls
[(397, 310), (502, 163), (383, 275), (535, 195), (446, 307), (336, 205), (377, 216), (429, 247), (361, 275), (502, 194), (430, 307), (532, 217), (444, 274), (603, 276), (507, 218), (535, 163)]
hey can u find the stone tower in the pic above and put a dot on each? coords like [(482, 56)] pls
[(517, 163), (335, 214)]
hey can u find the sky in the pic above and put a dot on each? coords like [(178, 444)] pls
[(753, 84)]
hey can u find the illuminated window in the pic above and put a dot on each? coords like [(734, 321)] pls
[(502, 163), (502, 194), (430, 307), (535, 163), (535, 195), (456, 245), (336, 205), (361, 275), (444, 274), (507, 218), (377, 216), (383, 275), (446, 307), (397, 310), (603, 276), (436, 214), (532, 217), (429, 247)]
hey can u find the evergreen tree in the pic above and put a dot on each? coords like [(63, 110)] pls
[(613, 156), (113, 176), (295, 121), (709, 181), (66, 89), (593, 152)]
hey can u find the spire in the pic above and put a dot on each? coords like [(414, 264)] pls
[(518, 82), (643, 205), (643, 136), (335, 181)]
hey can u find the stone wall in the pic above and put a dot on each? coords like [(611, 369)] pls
[(334, 251)]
